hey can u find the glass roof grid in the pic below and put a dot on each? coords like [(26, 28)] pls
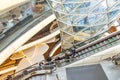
[(67, 13), (63, 22), (114, 6), (114, 18), (99, 10), (50, 3), (78, 18), (70, 7), (75, 1), (94, 13), (87, 15), (117, 6), (99, 18), (112, 3), (83, 21), (75, 8), (91, 9), (113, 13)]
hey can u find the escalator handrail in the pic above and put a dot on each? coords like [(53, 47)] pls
[(63, 60), (91, 39), (62, 57), (30, 67), (97, 41)]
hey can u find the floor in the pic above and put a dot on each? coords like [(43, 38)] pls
[(90, 72), (108, 70), (112, 71)]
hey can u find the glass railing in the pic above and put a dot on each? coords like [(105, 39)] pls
[(19, 26)]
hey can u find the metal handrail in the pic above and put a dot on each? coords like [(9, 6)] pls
[(93, 50), (91, 39), (44, 65)]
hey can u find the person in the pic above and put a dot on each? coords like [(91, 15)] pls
[(49, 59), (86, 20), (67, 57), (9, 77), (72, 51), (25, 72), (57, 61), (22, 13), (41, 65)]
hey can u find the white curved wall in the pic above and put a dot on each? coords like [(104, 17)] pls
[(54, 49), (25, 37)]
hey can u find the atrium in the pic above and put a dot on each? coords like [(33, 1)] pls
[(60, 40)]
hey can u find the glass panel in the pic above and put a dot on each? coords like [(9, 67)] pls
[(112, 14), (67, 40), (65, 18), (70, 7), (111, 3), (86, 18), (62, 25)]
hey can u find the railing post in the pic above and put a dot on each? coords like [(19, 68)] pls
[(57, 77)]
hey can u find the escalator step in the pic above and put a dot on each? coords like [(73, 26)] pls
[(97, 45), (114, 38), (89, 48), (109, 40), (117, 36), (101, 44)]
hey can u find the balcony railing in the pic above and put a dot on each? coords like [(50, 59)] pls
[(19, 26)]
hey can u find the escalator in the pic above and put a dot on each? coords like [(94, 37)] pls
[(83, 52), (92, 49)]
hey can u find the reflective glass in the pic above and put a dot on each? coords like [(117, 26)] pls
[(86, 16)]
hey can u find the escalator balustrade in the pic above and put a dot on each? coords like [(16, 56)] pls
[(85, 51), (96, 46)]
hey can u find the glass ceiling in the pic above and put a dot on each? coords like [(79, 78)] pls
[(88, 17)]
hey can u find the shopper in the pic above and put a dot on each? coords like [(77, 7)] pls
[(67, 57), (72, 51), (9, 77)]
